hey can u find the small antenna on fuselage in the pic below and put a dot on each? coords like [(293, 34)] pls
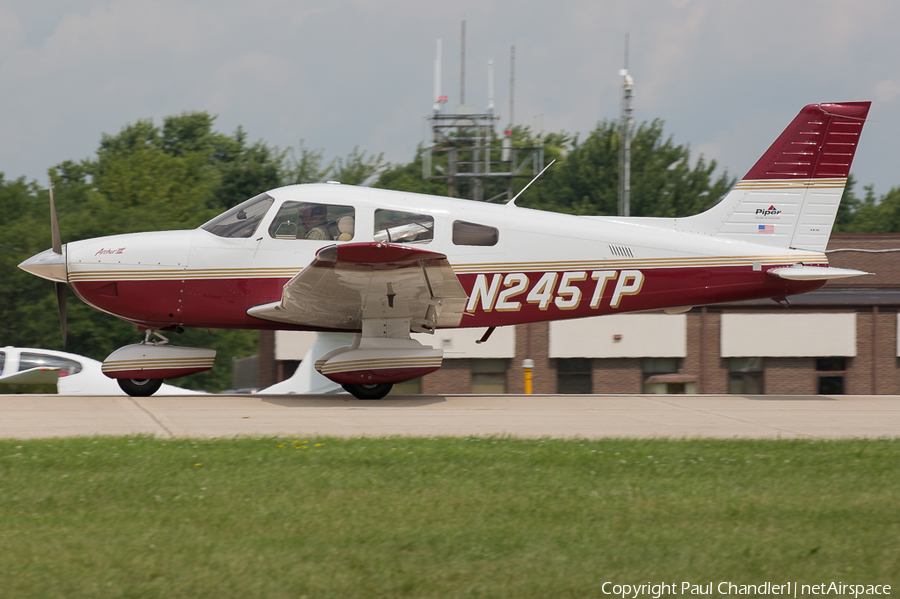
[(512, 202)]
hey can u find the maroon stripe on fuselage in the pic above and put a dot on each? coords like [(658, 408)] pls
[(201, 303), (154, 373), (223, 303), (662, 288)]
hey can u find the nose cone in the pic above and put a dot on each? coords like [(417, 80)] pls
[(48, 265)]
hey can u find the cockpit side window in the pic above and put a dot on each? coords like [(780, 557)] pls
[(242, 220), (395, 226), (465, 233), (317, 222)]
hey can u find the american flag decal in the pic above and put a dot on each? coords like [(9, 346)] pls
[(766, 228)]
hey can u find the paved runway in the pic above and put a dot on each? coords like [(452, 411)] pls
[(584, 416)]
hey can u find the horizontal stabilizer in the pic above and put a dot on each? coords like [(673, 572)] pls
[(815, 273)]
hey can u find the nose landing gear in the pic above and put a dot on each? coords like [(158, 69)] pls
[(141, 368), (140, 387)]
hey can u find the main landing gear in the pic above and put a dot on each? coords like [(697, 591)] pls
[(368, 391), (140, 387)]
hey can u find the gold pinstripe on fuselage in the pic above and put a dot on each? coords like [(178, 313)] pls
[(790, 184), (471, 268)]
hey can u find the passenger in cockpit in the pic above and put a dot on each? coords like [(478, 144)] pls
[(345, 226)]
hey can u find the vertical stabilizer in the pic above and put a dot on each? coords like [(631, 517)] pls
[(791, 195)]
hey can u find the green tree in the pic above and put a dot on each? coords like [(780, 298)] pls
[(876, 215), (356, 167), (304, 166), (144, 178), (408, 177), (233, 169), (848, 208), (663, 182)]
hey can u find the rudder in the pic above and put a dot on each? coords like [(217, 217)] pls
[(791, 195)]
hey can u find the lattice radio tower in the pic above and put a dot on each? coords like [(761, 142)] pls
[(464, 148)]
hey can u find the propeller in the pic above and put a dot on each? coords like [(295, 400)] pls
[(57, 249)]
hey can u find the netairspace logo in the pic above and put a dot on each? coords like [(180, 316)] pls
[(787, 589)]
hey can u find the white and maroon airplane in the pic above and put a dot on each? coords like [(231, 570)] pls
[(382, 264)]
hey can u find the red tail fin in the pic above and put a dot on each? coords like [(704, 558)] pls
[(818, 144)]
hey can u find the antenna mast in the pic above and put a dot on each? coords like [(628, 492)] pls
[(490, 106), (512, 85), (462, 65), (464, 149), (626, 121), (438, 99)]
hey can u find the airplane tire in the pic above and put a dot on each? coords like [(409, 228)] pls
[(368, 391), (140, 387)]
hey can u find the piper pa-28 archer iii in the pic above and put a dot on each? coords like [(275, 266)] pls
[(382, 264)]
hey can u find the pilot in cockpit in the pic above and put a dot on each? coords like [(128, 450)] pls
[(314, 219)]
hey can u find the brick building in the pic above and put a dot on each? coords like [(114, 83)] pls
[(842, 338)]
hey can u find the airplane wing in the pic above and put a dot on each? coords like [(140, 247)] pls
[(352, 282), (33, 380)]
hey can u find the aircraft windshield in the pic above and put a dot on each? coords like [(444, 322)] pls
[(242, 220)]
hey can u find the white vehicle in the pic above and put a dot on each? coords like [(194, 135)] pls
[(383, 264), (30, 370)]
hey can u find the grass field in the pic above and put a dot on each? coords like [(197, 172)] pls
[(439, 517)]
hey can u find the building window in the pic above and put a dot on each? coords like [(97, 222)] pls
[(745, 376), (661, 376), (489, 376), (830, 374), (573, 375)]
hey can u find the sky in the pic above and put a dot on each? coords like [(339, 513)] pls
[(725, 76)]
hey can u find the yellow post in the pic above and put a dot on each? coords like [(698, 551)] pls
[(527, 366)]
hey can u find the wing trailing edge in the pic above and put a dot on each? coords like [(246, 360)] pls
[(349, 283)]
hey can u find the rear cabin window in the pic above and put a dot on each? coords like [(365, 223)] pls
[(395, 226), (316, 222), (242, 220), (465, 233)]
